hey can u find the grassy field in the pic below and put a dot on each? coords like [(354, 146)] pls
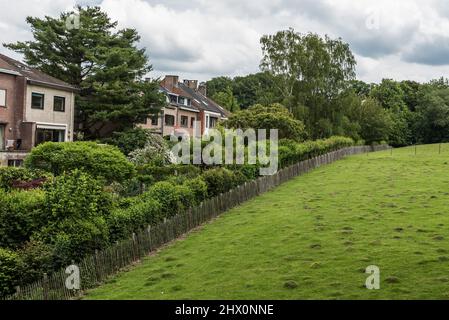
[(313, 237)]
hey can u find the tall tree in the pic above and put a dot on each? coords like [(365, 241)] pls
[(103, 62), (312, 70), (258, 88), (227, 100), (218, 84)]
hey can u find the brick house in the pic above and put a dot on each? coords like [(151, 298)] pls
[(34, 108), (188, 111), (210, 112)]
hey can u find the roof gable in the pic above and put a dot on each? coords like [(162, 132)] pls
[(33, 75)]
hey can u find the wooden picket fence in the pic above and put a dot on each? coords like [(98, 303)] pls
[(98, 267)]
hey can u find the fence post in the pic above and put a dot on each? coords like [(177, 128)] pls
[(18, 292), (97, 266), (45, 286), (135, 249), (149, 238)]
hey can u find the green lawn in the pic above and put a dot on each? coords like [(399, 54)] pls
[(313, 237)]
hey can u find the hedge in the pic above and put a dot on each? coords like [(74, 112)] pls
[(19, 216), (219, 180), (99, 160), (291, 152), (8, 175), (123, 222), (10, 270), (173, 198), (158, 173)]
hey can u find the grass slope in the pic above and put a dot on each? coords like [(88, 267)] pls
[(313, 237)]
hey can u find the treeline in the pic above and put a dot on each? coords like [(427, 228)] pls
[(314, 77)]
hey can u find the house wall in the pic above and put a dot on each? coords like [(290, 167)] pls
[(168, 130), (189, 115), (48, 116), (205, 116), (12, 114), (149, 125)]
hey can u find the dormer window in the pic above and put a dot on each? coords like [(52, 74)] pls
[(173, 99), (181, 100)]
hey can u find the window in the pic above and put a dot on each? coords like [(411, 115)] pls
[(207, 121), (2, 98), (173, 99), (213, 122), (45, 135), (192, 122), (15, 163), (169, 120), (37, 101), (184, 121), (59, 104), (154, 120)]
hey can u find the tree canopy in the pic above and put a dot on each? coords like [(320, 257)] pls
[(102, 61), (274, 116)]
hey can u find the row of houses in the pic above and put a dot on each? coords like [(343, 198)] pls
[(36, 108), (188, 111)]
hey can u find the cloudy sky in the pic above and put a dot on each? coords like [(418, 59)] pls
[(401, 39)]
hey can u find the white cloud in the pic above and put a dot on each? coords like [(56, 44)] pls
[(202, 38), (13, 26)]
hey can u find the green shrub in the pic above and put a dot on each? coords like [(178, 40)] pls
[(173, 198), (186, 197), (161, 173), (123, 222), (36, 258), (19, 216), (250, 171), (219, 180), (74, 212), (199, 188), (10, 174), (291, 152), (155, 152), (100, 161), (10, 271), (130, 187), (129, 140)]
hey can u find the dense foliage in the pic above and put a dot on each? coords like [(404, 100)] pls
[(99, 160), (274, 116), (19, 216)]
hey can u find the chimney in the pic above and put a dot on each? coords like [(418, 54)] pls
[(202, 89), (192, 84), (170, 82)]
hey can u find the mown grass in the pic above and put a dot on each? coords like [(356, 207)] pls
[(313, 237)]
